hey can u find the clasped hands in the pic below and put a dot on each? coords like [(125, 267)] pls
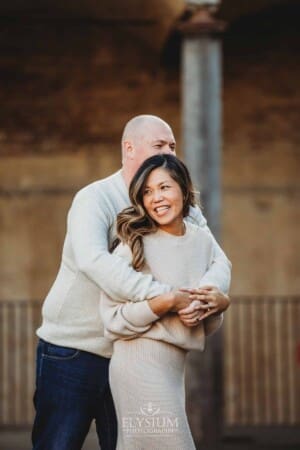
[(196, 304)]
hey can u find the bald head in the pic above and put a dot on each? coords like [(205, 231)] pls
[(144, 136), (139, 126)]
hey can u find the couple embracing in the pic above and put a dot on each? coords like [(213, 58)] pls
[(142, 281)]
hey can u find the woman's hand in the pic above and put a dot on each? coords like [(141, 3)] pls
[(170, 302), (192, 315), (181, 300), (206, 301)]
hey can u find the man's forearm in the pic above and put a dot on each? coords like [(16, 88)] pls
[(219, 273)]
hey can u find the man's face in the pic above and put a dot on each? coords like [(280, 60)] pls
[(155, 139)]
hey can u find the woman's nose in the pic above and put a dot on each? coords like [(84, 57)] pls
[(157, 196)]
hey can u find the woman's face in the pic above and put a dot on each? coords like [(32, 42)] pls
[(163, 201)]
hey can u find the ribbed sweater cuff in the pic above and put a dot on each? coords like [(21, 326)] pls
[(139, 314)]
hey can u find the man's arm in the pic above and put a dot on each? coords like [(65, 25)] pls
[(219, 273), (88, 225), (213, 287)]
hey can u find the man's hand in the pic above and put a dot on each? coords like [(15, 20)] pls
[(206, 301)]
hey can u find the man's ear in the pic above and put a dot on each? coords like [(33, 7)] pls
[(128, 149)]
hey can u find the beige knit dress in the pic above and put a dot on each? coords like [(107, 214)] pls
[(147, 365)]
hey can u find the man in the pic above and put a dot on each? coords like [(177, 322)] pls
[(73, 356)]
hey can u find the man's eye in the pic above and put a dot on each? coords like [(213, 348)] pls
[(158, 146)]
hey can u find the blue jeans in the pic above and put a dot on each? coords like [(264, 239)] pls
[(72, 389)]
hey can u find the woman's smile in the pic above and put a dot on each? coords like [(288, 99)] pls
[(163, 201)]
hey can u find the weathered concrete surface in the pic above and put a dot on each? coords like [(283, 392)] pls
[(66, 93), (261, 153), (61, 120)]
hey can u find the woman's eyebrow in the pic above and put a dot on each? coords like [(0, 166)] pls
[(159, 184)]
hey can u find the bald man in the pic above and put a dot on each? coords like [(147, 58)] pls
[(72, 386)]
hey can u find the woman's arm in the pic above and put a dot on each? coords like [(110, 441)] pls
[(125, 319)]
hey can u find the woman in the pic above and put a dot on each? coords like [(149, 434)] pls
[(150, 341)]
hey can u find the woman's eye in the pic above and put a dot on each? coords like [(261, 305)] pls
[(147, 191), (165, 187)]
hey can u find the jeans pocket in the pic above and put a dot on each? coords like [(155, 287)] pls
[(57, 352)]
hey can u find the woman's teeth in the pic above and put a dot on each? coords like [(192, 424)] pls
[(161, 208)]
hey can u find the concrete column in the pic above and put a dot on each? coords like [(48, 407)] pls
[(201, 85), (201, 106)]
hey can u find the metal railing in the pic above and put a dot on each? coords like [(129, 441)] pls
[(261, 361), (18, 322)]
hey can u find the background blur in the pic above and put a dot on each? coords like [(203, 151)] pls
[(71, 75)]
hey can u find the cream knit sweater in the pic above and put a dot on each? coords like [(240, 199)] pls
[(70, 312), (178, 261)]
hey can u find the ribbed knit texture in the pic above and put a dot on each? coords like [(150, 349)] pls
[(147, 366), (147, 383), (71, 310), (179, 261)]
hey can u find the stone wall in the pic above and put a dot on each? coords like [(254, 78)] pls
[(261, 152), (66, 91)]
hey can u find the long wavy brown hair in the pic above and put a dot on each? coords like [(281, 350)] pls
[(133, 223)]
